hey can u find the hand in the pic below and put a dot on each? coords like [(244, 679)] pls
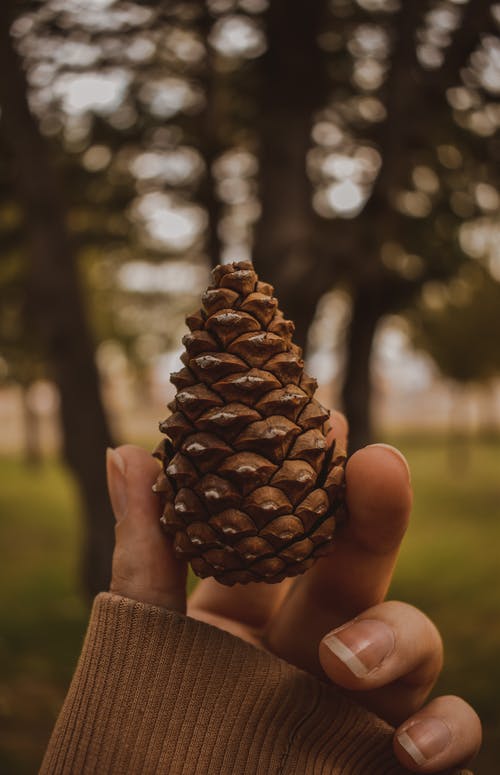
[(330, 621)]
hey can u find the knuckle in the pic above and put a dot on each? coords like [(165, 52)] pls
[(408, 618)]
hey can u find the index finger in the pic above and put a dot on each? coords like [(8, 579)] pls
[(357, 572)]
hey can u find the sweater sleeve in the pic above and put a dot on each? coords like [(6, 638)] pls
[(159, 693)]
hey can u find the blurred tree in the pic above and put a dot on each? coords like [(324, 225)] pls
[(64, 233), (404, 151), (54, 308), (294, 86), (457, 324), (20, 361)]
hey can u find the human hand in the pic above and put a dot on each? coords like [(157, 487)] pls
[(332, 621)]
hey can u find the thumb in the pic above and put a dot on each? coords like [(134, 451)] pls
[(144, 565)]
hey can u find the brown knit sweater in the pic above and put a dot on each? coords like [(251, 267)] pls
[(158, 693)]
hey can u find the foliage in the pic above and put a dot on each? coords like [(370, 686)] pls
[(94, 157), (159, 114), (457, 324)]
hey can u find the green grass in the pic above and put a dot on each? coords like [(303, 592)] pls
[(41, 613), (448, 566)]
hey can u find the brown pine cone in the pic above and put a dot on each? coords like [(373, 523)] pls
[(249, 489)]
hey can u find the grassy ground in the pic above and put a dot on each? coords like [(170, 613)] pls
[(41, 615), (449, 566)]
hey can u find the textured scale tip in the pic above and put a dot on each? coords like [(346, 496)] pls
[(250, 489)]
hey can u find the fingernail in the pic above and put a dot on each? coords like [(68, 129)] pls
[(117, 484), (361, 645), (425, 739), (398, 454)]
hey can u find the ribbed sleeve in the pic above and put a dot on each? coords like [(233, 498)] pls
[(156, 692)]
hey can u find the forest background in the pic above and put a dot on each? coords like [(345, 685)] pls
[(351, 149)]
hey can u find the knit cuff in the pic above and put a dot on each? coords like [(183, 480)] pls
[(157, 692)]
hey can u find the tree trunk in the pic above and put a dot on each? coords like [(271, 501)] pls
[(211, 144), (31, 429), (460, 434), (293, 87), (57, 309), (357, 385)]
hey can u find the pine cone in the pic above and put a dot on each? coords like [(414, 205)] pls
[(249, 488)]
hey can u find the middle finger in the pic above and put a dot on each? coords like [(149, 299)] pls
[(390, 656)]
